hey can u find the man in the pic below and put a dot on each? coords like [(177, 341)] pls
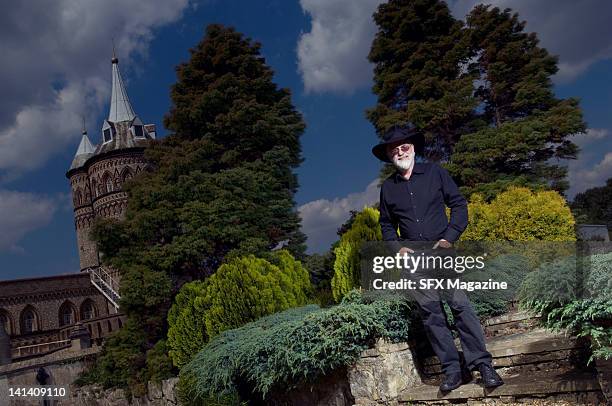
[(414, 198)]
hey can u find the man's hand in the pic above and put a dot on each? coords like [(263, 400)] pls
[(442, 244), (405, 250)]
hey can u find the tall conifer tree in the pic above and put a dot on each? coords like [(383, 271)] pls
[(223, 185)]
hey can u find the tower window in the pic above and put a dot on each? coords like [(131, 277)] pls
[(108, 135), (138, 131)]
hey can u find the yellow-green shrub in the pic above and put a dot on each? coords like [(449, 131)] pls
[(346, 267), (520, 214), (240, 291)]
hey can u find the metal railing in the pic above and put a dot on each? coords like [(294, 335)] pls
[(105, 283)]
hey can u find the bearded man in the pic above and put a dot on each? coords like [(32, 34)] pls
[(414, 199)]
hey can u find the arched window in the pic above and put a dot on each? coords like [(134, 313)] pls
[(88, 310), (67, 315), (6, 322), (94, 187), (126, 174), (29, 321), (107, 180), (78, 197)]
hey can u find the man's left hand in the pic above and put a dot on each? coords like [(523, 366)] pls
[(442, 244)]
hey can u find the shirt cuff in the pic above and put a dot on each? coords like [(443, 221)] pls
[(451, 235)]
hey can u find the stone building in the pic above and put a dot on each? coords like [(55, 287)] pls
[(39, 314)]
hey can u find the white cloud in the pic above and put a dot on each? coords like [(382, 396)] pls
[(56, 68), (21, 213), (333, 55), (322, 218), (591, 169)]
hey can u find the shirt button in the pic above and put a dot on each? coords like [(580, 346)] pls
[(417, 220), (410, 193)]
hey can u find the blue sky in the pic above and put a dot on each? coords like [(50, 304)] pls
[(57, 68)]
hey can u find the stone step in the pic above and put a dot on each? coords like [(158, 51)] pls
[(579, 386), (510, 323), (539, 348)]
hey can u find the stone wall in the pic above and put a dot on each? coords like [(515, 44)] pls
[(63, 367)]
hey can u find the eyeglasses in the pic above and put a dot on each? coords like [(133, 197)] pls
[(403, 148)]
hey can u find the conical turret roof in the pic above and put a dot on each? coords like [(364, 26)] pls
[(84, 151)]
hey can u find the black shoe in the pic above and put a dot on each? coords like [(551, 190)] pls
[(490, 378), (455, 379)]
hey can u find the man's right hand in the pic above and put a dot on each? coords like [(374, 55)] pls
[(405, 250)]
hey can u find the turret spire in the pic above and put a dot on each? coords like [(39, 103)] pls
[(120, 107), (84, 151)]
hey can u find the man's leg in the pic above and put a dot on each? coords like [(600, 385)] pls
[(437, 329), (470, 330)]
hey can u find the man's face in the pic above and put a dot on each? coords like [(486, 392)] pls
[(401, 154)]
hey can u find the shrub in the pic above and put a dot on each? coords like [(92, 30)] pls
[(520, 214), (186, 327), (242, 290), (365, 227), (297, 345), (553, 291)]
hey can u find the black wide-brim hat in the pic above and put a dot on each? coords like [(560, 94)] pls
[(395, 134)]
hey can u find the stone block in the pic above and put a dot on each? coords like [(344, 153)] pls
[(383, 378)]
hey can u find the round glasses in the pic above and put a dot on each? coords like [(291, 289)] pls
[(403, 148)]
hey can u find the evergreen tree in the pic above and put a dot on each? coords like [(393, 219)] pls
[(222, 186), (419, 54), (524, 126), (595, 205), (480, 92)]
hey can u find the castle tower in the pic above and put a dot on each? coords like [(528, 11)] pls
[(98, 172)]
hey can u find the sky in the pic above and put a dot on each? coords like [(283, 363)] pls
[(56, 71)]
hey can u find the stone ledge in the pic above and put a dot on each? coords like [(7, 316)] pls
[(514, 386)]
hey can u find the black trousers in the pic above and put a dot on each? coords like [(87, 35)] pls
[(437, 328)]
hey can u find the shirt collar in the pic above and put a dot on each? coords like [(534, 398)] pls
[(419, 167)]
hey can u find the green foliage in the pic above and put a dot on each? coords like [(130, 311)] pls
[(480, 92), (594, 205), (574, 294), (347, 270), (186, 324), (509, 268), (280, 351), (418, 53), (520, 214), (241, 291), (223, 185), (248, 288), (159, 363)]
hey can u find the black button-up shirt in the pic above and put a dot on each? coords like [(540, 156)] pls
[(417, 206)]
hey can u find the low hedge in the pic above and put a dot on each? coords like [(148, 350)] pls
[(295, 346)]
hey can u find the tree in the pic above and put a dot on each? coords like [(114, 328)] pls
[(223, 185), (524, 125), (418, 52), (480, 92), (595, 205)]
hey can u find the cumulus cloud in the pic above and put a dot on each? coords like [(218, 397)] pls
[(56, 68), (322, 218), (21, 213), (333, 55), (591, 169)]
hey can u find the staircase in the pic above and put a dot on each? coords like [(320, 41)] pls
[(105, 283), (538, 368)]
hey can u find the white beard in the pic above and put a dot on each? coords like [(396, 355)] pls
[(404, 164)]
